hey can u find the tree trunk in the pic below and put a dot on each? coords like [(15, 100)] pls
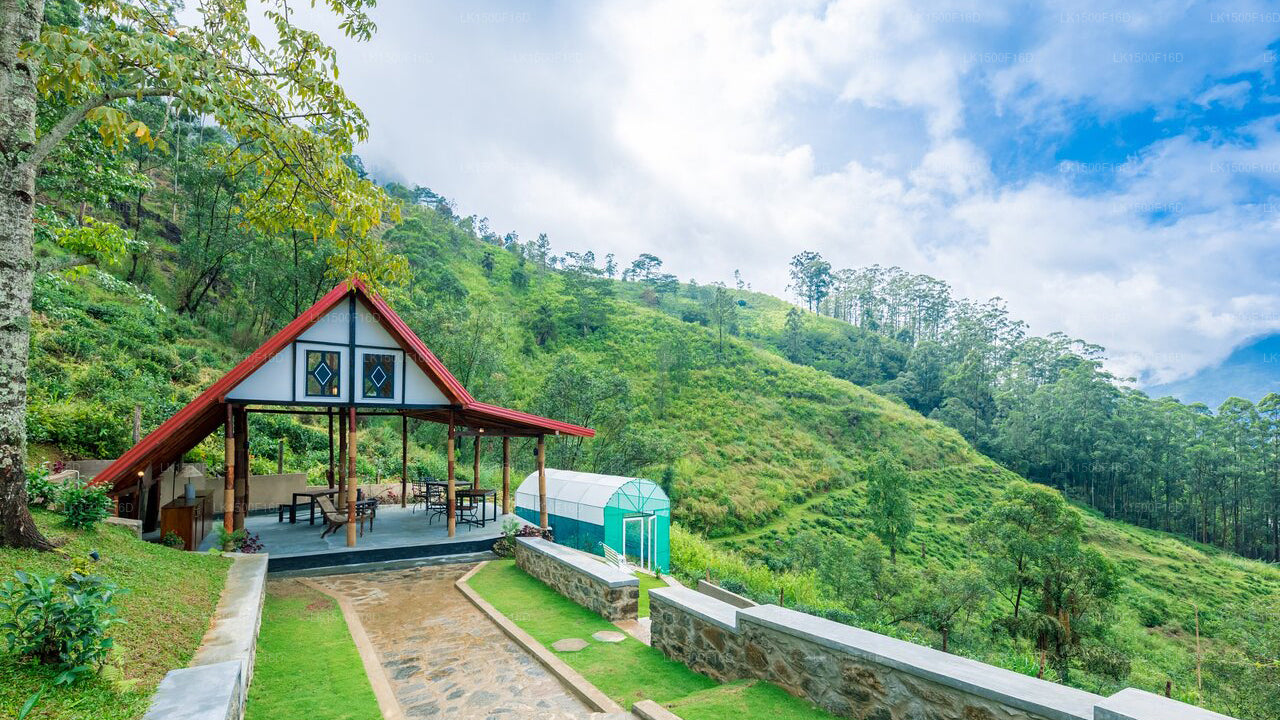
[(19, 24)]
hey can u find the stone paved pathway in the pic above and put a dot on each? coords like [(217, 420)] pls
[(443, 657)]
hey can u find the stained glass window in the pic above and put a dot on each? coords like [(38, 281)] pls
[(324, 370), (379, 375)]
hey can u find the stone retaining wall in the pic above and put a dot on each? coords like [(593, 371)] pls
[(216, 685), (602, 588), (856, 673)]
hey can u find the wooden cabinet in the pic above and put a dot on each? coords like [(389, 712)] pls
[(191, 521)]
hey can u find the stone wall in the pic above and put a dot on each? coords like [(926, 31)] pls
[(601, 588), (860, 674)]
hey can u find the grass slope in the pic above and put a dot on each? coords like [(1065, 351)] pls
[(628, 671), (169, 600), (307, 665)]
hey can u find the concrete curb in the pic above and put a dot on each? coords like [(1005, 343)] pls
[(567, 676), (387, 702), (650, 710)]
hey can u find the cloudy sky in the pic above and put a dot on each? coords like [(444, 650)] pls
[(1112, 171)]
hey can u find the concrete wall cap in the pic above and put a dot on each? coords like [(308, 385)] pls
[(1134, 704), (607, 574), (207, 692), (720, 593), (717, 612), (1050, 700)]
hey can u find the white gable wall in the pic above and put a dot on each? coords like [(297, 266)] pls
[(269, 382), (419, 389), (283, 377)]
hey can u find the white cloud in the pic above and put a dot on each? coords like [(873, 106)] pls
[(726, 135)]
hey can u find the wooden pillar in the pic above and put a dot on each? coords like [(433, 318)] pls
[(242, 467), (475, 470), (453, 520), (506, 475), (404, 460), (542, 482), (229, 495), (342, 457), (329, 474), (352, 482)]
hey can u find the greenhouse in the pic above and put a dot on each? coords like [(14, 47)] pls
[(631, 516)]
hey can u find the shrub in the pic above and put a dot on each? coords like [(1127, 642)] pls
[(83, 504), (241, 541), (40, 492), (173, 540), (1152, 611), (1105, 661), (60, 621), (506, 545)]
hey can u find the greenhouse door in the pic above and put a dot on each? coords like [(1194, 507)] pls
[(640, 540)]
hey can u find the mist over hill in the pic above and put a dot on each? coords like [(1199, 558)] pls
[(1251, 371)]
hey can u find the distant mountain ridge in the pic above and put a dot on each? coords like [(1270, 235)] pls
[(1251, 371)]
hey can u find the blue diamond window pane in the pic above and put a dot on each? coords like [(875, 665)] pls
[(322, 373), (378, 376)]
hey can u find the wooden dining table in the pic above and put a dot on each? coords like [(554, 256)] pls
[(471, 500)]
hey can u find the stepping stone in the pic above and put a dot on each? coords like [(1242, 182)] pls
[(569, 645), (609, 636)]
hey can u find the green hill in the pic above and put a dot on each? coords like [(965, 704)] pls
[(753, 448)]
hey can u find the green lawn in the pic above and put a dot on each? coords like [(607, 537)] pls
[(630, 670), (170, 597), (647, 583), (307, 665)]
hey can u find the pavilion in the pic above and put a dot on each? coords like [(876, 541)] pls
[(347, 356)]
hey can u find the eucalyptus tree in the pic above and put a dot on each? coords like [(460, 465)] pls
[(278, 98)]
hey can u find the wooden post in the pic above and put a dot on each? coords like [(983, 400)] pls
[(229, 495), (342, 457), (329, 412), (280, 456), (404, 460), (242, 467), (453, 520), (475, 470), (351, 476), (506, 475), (542, 482)]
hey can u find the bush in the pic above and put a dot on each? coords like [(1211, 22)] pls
[(1152, 611), (40, 492), (1105, 661), (173, 540), (84, 505), (60, 621), (241, 541)]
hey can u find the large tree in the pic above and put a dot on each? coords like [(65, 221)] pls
[(889, 503), (277, 98)]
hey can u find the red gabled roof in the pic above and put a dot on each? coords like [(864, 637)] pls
[(207, 412)]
